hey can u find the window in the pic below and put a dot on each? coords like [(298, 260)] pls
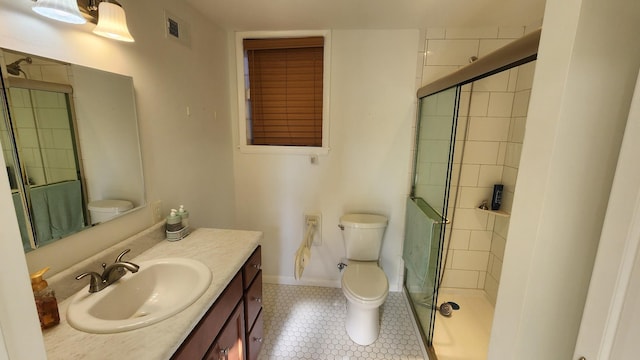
[(284, 92)]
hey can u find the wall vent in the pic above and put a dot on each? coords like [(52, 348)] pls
[(176, 29)]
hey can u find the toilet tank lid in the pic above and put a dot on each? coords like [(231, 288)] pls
[(363, 220), (110, 205)]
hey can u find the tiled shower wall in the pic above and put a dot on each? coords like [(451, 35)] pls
[(50, 111), (509, 175), (496, 115), (499, 225), (44, 135)]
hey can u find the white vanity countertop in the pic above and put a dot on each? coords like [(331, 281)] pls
[(223, 251)]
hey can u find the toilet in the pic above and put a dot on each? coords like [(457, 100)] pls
[(364, 284), (103, 210)]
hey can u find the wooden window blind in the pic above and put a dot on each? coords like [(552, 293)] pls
[(285, 87)]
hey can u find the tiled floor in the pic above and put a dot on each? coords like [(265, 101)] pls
[(306, 322)]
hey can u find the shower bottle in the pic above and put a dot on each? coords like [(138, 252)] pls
[(496, 199)]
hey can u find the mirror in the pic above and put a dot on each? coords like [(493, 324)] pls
[(69, 137)]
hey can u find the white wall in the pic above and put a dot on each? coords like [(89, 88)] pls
[(19, 326), (625, 345), (372, 111), (3, 351), (611, 322), (115, 174), (582, 87), (187, 160)]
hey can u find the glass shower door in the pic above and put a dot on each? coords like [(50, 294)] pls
[(41, 129), (14, 174), (426, 215)]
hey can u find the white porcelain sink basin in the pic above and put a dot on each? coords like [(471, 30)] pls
[(160, 289)]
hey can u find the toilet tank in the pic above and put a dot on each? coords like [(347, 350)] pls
[(362, 235)]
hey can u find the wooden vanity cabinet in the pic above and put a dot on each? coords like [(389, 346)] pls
[(212, 323), (251, 267), (232, 328), (254, 339), (229, 344), (252, 280)]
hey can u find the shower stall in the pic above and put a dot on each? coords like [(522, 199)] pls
[(39, 142), (459, 155)]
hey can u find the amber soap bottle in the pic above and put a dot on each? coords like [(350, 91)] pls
[(46, 302)]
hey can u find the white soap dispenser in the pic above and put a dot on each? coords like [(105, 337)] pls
[(184, 214), (174, 221)]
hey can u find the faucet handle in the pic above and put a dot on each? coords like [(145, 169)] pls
[(119, 258), (95, 284)]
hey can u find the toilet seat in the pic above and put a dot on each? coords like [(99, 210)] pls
[(365, 283)]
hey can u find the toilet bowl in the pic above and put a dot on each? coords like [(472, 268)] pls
[(103, 210), (364, 284), (366, 288)]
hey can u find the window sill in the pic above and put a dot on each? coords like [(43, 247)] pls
[(284, 150)]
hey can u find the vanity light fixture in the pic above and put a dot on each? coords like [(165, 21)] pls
[(61, 10), (112, 22), (108, 14)]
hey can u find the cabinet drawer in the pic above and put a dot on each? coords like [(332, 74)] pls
[(200, 339), (254, 339), (253, 300), (230, 342), (252, 266)]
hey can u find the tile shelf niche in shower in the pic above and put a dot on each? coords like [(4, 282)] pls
[(495, 212)]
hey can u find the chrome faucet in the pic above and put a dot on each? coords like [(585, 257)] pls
[(110, 273)]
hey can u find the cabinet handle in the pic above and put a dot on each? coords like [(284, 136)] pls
[(224, 354), (258, 299), (256, 266), (257, 339)]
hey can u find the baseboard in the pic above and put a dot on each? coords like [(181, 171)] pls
[(289, 280)]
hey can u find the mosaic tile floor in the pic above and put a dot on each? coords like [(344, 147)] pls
[(307, 322)]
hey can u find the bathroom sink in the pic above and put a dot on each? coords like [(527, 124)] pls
[(159, 290)]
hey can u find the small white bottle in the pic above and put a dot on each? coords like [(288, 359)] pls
[(184, 214)]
